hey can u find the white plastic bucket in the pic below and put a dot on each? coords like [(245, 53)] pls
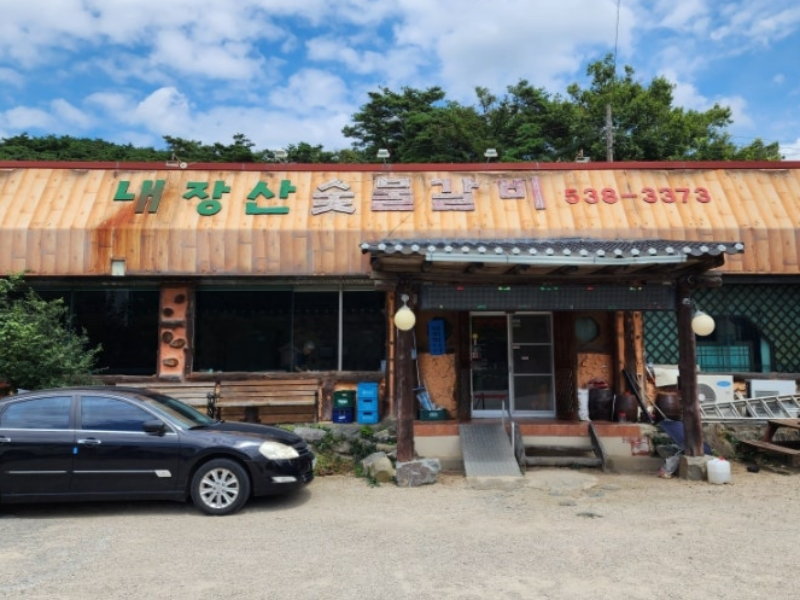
[(583, 404), (719, 470)]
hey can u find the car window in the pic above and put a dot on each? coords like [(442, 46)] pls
[(51, 412), (112, 414)]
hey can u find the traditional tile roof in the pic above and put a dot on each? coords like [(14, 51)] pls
[(574, 257)]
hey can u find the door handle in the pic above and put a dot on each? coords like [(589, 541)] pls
[(90, 442), (4, 439)]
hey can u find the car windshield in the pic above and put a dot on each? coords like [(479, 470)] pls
[(179, 413)]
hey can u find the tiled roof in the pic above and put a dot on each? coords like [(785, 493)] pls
[(545, 257)]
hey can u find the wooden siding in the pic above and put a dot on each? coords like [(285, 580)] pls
[(63, 221)]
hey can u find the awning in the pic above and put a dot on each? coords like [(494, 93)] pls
[(573, 259)]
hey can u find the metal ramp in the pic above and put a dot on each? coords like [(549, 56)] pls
[(487, 451), (762, 408)]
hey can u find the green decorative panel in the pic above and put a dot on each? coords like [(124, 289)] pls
[(773, 309)]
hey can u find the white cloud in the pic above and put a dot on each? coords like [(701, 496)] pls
[(11, 77), (495, 44), (23, 118), (164, 111), (310, 90), (67, 113), (791, 151)]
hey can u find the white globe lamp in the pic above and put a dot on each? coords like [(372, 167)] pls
[(702, 324), (404, 318)]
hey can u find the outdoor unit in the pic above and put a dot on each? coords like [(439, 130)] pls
[(715, 388), (760, 388)]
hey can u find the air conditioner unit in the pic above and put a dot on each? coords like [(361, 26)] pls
[(715, 388), (760, 388)]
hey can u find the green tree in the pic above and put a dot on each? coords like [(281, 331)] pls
[(645, 124), (37, 348), (306, 153), (55, 148), (529, 124), (381, 123)]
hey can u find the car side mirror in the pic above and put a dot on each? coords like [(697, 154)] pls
[(154, 426)]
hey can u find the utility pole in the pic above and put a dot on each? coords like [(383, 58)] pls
[(609, 135)]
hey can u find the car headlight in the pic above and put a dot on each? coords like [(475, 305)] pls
[(277, 451)]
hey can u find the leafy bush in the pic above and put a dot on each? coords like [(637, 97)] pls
[(37, 348)]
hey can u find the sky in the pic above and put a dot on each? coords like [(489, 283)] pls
[(288, 71)]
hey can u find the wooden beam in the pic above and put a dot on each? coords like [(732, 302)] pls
[(404, 386), (687, 373)]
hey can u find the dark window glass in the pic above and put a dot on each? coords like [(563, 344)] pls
[(316, 331), (363, 331), (243, 331), (124, 322), (39, 413), (110, 414), (288, 331)]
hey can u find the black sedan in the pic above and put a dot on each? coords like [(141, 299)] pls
[(115, 443)]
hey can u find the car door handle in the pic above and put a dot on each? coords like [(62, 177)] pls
[(90, 442), (4, 439)]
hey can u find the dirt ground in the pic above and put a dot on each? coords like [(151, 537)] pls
[(560, 534)]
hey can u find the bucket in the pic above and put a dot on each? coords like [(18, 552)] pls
[(583, 404), (719, 470), (601, 404)]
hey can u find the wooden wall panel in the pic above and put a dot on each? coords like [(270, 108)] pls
[(64, 221)]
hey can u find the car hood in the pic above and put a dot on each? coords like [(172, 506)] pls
[(254, 430)]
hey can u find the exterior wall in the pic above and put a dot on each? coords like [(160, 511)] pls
[(72, 219), (772, 306), (628, 446)]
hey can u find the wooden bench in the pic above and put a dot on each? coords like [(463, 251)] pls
[(269, 400), (791, 450), (192, 393)]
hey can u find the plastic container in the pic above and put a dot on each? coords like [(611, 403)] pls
[(719, 470), (439, 414), (344, 399), (583, 404), (342, 415), (367, 416)]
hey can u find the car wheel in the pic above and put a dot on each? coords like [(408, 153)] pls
[(220, 487)]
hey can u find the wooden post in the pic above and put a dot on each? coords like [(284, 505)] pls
[(404, 387), (687, 373)]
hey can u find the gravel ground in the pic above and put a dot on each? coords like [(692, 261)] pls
[(561, 534)]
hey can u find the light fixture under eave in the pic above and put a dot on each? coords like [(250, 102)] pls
[(404, 318), (118, 267), (175, 161), (702, 323)]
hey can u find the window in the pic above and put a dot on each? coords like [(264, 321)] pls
[(110, 414), (39, 413), (289, 330), (363, 331), (735, 345), (123, 321)]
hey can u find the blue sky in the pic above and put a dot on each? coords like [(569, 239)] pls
[(285, 71)]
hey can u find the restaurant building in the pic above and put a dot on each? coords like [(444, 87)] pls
[(266, 288)]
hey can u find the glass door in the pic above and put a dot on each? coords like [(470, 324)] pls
[(490, 369), (532, 365), (512, 364)]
